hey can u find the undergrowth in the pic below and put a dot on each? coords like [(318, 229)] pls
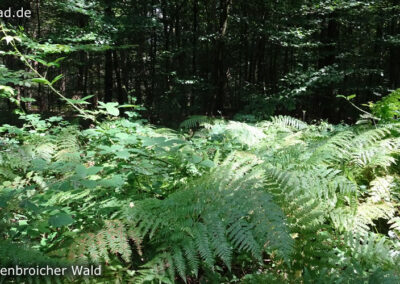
[(227, 202)]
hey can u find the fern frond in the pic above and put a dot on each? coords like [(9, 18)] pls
[(380, 189), (195, 121), (67, 145), (333, 150), (360, 219), (222, 212), (96, 247), (287, 121)]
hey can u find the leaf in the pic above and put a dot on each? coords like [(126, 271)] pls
[(128, 106), (41, 81), (56, 62), (27, 100), (6, 90), (55, 119), (207, 164), (60, 220), (93, 170), (124, 154), (56, 79), (115, 181), (87, 97), (41, 61), (82, 171), (348, 98), (111, 108), (196, 159), (30, 206)]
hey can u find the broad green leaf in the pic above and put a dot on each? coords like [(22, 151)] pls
[(207, 164), (196, 159), (22, 223), (112, 110), (41, 61), (56, 62), (87, 97), (41, 81), (56, 79), (60, 220), (27, 100)]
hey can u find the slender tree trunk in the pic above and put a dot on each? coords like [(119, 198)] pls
[(108, 77), (221, 70), (166, 20), (86, 74), (120, 92), (41, 101), (329, 37), (108, 73), (195, 35), (394, 64), (153, 50), (38, 17)]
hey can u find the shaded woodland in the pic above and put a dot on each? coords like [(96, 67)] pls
[(182, 58), (185, 141)]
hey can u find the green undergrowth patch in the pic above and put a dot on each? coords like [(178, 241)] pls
[(218, 201)]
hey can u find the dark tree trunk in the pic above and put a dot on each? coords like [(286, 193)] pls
[(108, 66), (322, 102), (108, 77), (221, 79), (394, 55), (120, 92), (195, 35)]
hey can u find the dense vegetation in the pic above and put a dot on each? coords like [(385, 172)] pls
[(190, 57), (278, 200), (235, 190)]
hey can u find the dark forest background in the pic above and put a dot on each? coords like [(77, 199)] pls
[(231, 58)]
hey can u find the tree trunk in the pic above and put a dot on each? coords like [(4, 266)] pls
[(221, 70), (108, 73), (120, 92)]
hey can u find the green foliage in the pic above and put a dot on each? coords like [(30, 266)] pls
[(195, 121), (95, 247), (216, 201), (278, 200), (387, 108), (17, 254), (215, 217)]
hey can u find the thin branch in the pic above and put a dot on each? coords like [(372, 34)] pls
[(29, 65)]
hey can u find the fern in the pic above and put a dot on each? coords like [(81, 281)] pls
[(279, 200), (224, 212), (18, 254), (380, 189), (113, 238), (287, 121), (67, 145), (195, 121)]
